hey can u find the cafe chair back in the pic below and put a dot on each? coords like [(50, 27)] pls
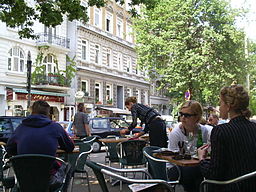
[(131, 153), (32, 172), (162, 185), (207, 183), (158, 167), (7, 181), (85, 148), (97, 169), (88, 139), (111, 151)]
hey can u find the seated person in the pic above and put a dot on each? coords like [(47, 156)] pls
[(233, 149), (213, 120), (37, 134), (189, 130)]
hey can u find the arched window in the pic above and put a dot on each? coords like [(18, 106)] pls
[(50, 66), (16, 59)]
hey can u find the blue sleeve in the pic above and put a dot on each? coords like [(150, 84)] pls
[(65, 142), (11, 146)]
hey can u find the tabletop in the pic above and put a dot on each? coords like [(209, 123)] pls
[(183, 162), (113, 140), (76, 150), (118, 140)]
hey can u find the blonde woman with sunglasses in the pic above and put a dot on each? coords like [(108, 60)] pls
[(187, 134)]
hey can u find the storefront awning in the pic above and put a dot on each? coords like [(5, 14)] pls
[(115, 110), (37, 92)]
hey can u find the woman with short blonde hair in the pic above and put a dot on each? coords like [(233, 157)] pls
[(233, 148)]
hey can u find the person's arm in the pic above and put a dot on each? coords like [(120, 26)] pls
[(174, 138), (134, 118), (11, 146), (216, 167), (87, 129), (86, 125), (133, 124), (65, 142)]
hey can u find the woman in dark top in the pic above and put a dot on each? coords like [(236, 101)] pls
[(233, 144), (152, 120)]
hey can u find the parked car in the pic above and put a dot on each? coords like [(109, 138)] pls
[(105, 126), (102, 127), (7, 125), (67, 125)]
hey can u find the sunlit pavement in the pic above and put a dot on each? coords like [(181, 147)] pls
[(81, 186)]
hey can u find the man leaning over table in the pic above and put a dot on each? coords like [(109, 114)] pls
[(38, 134)]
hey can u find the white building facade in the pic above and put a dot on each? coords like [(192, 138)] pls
[(48, 52)]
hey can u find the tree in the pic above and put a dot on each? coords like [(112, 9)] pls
[(17, 13), (191, 45)]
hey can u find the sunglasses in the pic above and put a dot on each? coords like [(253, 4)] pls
[(186, 115)]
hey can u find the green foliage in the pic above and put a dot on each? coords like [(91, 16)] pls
[(193, 45), (61, 77), (17, 13)]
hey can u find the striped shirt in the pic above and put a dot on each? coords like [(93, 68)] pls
[(233, 154), (144, 113)]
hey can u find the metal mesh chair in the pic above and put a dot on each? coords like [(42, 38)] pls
[(131, 153), (85, 148), (7, 182), (158, 167), (97, 169), (32, 172), (237, 180)]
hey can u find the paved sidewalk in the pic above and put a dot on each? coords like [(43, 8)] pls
[(81, 186)]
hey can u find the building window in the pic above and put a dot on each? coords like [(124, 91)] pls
[(85, 87), (129, 33), (98, 93), (129, 92), (119, 61), (97, 54), (129, 64), (50, 66), (119, 28), (109, 96), (138, 96), (146, 98), (85, 50), (109, 23), (97, 17), (16, 60), (108, 57)]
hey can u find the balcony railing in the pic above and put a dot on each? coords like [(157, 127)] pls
[(52, 79), (53, 40)]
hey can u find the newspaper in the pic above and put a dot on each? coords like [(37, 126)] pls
[(138, 187)]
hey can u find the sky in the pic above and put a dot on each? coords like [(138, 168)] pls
[(249, 23)]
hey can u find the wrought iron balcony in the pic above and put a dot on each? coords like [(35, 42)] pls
[(53, 40), (52, 79)]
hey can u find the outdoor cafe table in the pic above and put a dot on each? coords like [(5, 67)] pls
[(69, 156), (183, 162), (117, 140)]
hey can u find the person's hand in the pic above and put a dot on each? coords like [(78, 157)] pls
[(202, 151), (124, 131)]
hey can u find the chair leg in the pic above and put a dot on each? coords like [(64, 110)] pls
[(72, 182), (88, 182)]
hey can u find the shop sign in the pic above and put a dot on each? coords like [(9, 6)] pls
[(36, 97)]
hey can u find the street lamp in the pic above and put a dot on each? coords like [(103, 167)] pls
[(29, 65)]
